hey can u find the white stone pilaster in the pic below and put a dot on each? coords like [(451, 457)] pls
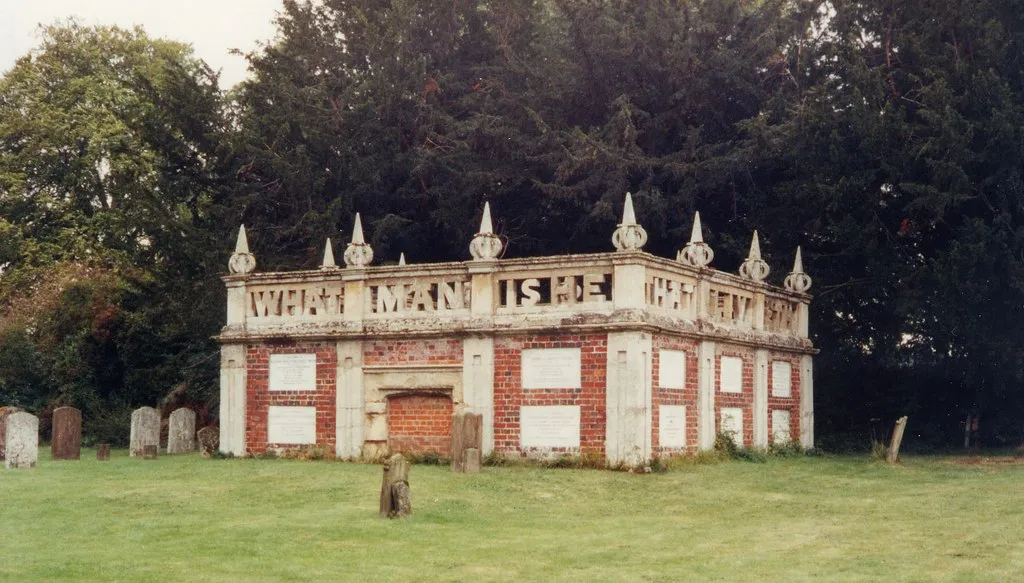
[(706, 395), (478, 384), (762, 377), (237, 299), (350, 400), (807, 401), (233, 373), (628, 398), (356, 294)]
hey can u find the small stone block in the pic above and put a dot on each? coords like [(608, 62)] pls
[(471, 461), (149, 452), (103, 452)]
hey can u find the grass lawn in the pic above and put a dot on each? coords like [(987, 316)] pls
[(192, 519)]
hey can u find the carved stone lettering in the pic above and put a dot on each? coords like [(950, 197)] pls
[(672, 425), (549, 426)]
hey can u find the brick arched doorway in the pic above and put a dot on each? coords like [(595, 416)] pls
[(420, 423)]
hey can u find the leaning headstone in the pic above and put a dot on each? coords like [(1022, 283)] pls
[(181, 433), (893, 453), (21, 440), (471, 461), (209, 440), (4, 412), (145, 430), (395, 497), (467, 433), (149, 452), (67, 434), (103, 452)]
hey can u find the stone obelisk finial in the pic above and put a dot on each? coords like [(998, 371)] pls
[(753, 267), (797, 280), (485, 244), (629, 236), (358, 253), (401, 258), (696, 253), (242, 262), (328, 262)]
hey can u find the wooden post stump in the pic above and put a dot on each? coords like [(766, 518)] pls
[(467, 433), (395, 496), (897, 439), (103, 452)]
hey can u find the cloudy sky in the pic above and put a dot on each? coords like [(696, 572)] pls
[(213, 27)]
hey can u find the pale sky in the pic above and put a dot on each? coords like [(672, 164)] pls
[(212, 27)]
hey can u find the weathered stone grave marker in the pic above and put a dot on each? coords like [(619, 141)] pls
[(103, 452), (395, 497), (4, 412), (209, 440), (67, 434), (21, 440), (145, 430), (467, 435), (181, 433), (893, 453), (149, 452)]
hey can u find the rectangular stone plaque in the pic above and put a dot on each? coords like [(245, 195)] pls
[(782, 379), (731, 375), (291, 425), (672, 425), (780, 426), (549, 426), (732, 422), (292, 372), (672, 369), (551, 368)]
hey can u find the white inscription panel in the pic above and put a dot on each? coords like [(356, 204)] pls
[(291, 425), (549, 426), (782, 379), (672, 425), (292, 372), (780, 426), (551, 368), (732, 422), (672, 369), (731, 375)]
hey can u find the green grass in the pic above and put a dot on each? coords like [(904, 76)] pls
[(186, 518)]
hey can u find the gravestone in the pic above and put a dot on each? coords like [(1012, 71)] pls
[(209, 440), (181, 432), (149, 451), (467, 434), (21, 440), (395, 497), (4, 412), (103, 452), (67, 434), (145, 430)]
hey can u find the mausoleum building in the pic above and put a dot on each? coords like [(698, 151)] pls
[(621, 355)]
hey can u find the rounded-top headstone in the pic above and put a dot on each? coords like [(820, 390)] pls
[(145, 430), (4, 412), (67, 434), (21, 440), (181, 433)]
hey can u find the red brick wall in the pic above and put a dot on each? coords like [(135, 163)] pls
[(420, 423), (791, 403), (509, 394), (685, 396), (259, 397), (392, 352), (744, 399)]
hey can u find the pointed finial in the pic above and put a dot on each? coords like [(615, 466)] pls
[(754, 268), (485, 246), (328, 262), (401, 258), (241, 262), (358, 253), (485, 222), (696, 253), (629, 236), (797, 280)]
